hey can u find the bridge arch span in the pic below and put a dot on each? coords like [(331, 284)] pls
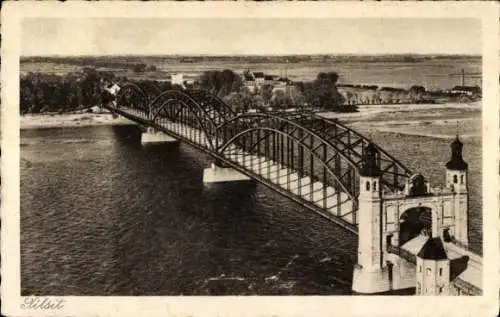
[(327, 154), (280, 124), (394, 173), (137, 97), (366, 140), (270, 139), (210, 101), (204, 114), (177, 111)]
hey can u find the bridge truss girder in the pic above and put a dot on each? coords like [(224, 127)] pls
[(324, 150)]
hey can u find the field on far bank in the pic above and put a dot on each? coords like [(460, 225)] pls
[(432, 74)]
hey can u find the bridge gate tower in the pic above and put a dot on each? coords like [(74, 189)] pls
[(370, 274), (396, 229), (456, 180)]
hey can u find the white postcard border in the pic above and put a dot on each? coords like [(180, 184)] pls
[(12, 14)]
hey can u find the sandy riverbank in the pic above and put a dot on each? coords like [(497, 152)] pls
[(433, 120), (69, 120)]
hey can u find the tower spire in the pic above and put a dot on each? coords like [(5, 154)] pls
[(457, 162)]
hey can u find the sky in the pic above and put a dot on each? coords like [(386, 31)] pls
[(226, 36)]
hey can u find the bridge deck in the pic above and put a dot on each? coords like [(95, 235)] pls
[(473, 273)]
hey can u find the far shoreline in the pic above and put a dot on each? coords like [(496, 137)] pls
[(368, 119)]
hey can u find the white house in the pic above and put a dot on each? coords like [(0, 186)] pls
[(113, 89), (178, 79)]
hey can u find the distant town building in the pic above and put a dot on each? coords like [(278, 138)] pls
[(178, 79), (255, 80), (251, 86), (182, 79), (466, 90), (113, 89), (268, 80), (279, 85), (259, 78), (248, 77)]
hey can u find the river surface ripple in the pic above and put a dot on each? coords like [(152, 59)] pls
[(102, 215)]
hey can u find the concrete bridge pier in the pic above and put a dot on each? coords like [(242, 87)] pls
[(218, 174), (153, 136)]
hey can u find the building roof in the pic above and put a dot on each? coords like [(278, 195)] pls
[(268, 77), (258, 75), (433, 249), (467, 88)]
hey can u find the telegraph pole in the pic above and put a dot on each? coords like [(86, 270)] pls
[(462, 75)]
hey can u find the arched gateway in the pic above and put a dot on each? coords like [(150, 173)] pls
[(416, 223)]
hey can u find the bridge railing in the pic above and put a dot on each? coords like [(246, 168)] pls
[(467, 287)]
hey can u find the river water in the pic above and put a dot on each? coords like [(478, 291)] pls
[(103, 215)]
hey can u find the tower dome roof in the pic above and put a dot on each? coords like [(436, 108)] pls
[(370, 163), (457, 162)]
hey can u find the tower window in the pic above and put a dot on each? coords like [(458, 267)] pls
[(461, 179), (374, 186), (420, 269), (418, 287), (428, 271), (367, 185), (455, 179), (440, 289), (440, 271)]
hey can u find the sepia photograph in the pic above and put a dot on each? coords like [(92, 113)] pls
[(250, 156)]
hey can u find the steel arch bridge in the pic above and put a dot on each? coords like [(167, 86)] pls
[(310, 159)]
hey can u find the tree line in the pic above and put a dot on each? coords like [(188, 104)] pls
[(385, 95), (42, 92)]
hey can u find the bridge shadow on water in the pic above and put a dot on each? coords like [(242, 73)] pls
[(127, 134)]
